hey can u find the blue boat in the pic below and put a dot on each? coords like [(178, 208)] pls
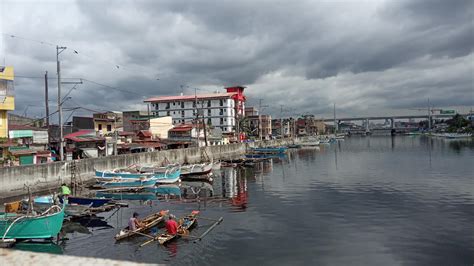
[(96, 202), (127, 195), (264, 155), (161, 175), (127, 183), (270, 150)]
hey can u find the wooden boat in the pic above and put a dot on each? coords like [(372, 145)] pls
[(196, 169), (31, 226), (128, 195), (310, 142), (127, 182), (162, 175), (96, 202), (294, 146), (169, 176), (148, 222), (270, 150), (187, 223)]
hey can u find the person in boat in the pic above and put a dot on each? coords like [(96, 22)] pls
[(134, 223), (171, 225)]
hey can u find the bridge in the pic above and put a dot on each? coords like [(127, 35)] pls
[(391, 118)]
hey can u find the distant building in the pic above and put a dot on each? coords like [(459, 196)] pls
[(7, 98), (107, 123), (82, 123), (134, 121), (258, 123), (221, 110)]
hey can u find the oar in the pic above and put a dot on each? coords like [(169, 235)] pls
[(211, 228), (147, 235)]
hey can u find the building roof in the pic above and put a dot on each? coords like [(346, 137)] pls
[(182, 128), (83, 136), (145, 133), (190, 97), (22, 152)]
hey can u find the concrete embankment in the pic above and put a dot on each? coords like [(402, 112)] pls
[(45, 176), (17, 258)]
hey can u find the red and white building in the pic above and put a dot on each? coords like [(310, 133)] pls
[(220, 110)]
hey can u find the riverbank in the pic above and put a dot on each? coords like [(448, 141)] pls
[(47, 176)]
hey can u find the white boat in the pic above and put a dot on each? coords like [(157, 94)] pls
[(457, 135), (310, 142), (196, 169)]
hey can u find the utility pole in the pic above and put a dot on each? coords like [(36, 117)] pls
[(281, 120), (47, 105), (429, 115), (260, 119), (335, 122), (203, 123), (59, 50)]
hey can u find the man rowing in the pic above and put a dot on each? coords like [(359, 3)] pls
[(134, 223), (171, 225)]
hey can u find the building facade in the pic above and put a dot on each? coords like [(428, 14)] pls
[(107, 123), (219, 110), (7, 98)]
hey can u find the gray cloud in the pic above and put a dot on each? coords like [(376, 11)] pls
[(366, 56)]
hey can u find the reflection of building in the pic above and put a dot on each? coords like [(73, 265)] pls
[(7, 98), (264, 167), (234, 186)]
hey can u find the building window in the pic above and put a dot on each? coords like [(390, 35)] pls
[(221, 102), (209, 121), (167, 106), (221, 111), (182, 113), (209, 103), (99, 126), (174, 103), (109, 128), (222, 121), (194, 103), (208, 112), (168, 113), (174, 112), (182, 104)]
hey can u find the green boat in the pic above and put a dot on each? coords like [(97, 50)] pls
[(40, 226)]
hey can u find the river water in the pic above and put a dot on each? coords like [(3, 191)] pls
[(366, 200)]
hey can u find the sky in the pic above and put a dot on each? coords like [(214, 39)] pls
[(300, 57)]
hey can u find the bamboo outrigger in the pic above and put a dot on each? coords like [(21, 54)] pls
[(149, 222)]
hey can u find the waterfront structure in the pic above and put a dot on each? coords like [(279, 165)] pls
[(220, 110), (7, 98), (85, 144)]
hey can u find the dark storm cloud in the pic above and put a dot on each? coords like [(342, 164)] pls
[(305, 55)]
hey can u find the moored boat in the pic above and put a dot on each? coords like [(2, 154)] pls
[(196, 169), (127, 182), (94, 202), (29, 226), (148, 222), (270, 150)]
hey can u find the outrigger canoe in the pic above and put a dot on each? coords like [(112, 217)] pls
[(149, 222), (188, 222)]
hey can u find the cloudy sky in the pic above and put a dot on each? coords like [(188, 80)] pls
[(368, 57)]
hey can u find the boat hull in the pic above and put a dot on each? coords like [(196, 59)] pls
[(127, 182), (200, 169), (40, 227), (96, 202)]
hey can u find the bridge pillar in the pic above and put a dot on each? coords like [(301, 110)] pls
[(392, 123)]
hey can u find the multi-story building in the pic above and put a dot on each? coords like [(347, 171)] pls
[(219, 110), (7, 98), (258, 123), (108, 122)]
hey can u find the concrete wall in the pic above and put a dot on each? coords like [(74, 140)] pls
[(44, 176)]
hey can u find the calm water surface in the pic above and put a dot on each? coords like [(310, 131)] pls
[(373, 200)]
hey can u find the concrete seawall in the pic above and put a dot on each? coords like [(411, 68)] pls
[(44, 176)]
